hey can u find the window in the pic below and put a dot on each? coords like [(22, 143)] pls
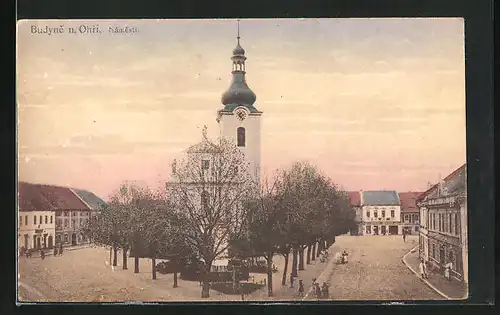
[(66, 213), (66, 239), (375, 214), (406, 218), (26, 220), (40, 222), (433, 250), (392, 214), (34, 219), (46, 219), (367, 214), (368, 229), (241, 136), (457, 224), (50, 219), (66, 223), (20, 221), (58, 213), (205, 164), (383, 213)]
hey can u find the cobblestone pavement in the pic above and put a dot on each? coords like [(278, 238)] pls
[(452, 289), (375, 271)]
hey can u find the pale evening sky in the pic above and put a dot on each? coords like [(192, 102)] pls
[(374, 103)]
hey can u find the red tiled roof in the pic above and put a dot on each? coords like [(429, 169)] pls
[(36, 197), (354, 198), (409, 201), (447, 178)]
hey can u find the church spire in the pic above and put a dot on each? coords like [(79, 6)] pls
[(239, 94)]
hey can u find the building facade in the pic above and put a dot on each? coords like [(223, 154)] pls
[(443, 227), (50, 215), (410, 213), (381, 213)]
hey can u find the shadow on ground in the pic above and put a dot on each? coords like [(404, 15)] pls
[(244, 288)]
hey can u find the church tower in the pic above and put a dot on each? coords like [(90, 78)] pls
[(239, 120)]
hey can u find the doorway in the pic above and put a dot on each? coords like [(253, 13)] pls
[(38, 243), (26, 240), (393, 229), (73, 239), (51, 245), (383, 230), (375, 230), (441, 255)]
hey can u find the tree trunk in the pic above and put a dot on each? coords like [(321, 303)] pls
[(285, 269), (125, 258), (153, 267), (270, 275), (313, 252), (110, 254), (308, 255), (294, 262), (175, 280), (301, 259), (319, 249), (115, 256), (205, 285), (136, 263)]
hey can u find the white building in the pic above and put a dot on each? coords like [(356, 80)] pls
[(381, 213), (443, 225), (239, 120), (48, 215)]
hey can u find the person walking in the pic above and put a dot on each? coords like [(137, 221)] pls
[(301, 288), (60, 249), (404, 235), (324, 291), (421, 268), (317, 290)]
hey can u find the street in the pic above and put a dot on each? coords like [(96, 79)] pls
[(374, 272)]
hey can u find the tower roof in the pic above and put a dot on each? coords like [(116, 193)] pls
[(238, 94)]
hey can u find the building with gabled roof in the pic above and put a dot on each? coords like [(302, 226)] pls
[(49, 215), (410, 214), (443, 227)]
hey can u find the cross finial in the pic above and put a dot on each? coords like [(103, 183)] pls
[(204, 132), (238, 31)]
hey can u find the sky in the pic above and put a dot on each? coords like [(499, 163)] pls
[(374, 103)]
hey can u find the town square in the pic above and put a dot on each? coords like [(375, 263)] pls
[(242, 160)]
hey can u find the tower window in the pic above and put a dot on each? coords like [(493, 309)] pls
[(241, 136), (205, 164)]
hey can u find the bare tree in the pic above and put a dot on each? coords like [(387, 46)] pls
[(208, 188)]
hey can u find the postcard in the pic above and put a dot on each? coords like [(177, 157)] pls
[(241, 160)]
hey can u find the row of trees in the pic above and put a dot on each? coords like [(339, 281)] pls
[(212, 206)]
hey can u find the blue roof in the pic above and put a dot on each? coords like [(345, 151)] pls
[(380, 198), (91, 199)]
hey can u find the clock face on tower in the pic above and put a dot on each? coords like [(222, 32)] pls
[(241, 114)]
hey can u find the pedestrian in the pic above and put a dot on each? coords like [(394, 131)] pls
[(317, 290), (291, 280), (60, 249), (301, 288), (447, 269), (324, 291), (421, 268), (404, 236), (42, 254)]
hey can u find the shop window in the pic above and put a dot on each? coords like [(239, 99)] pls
[(368, 229), (66, 238)]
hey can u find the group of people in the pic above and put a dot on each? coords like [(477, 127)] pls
[(320, 292), (422, 266), (323, 256), (29, 252)]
